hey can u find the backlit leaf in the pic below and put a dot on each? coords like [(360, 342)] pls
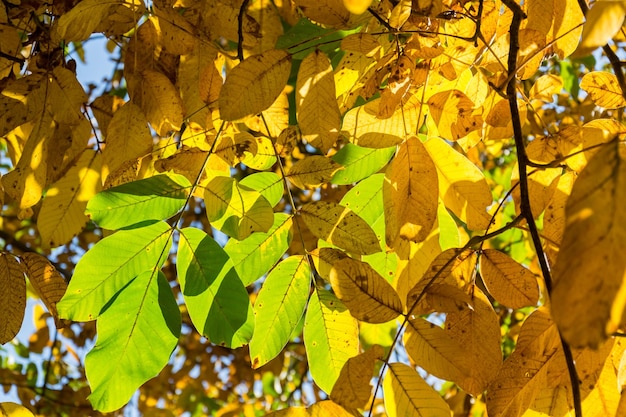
[(145, 313), (254, 84), (80, 22), (359, 163), (256, 254), (408, 395), (216, 299), (340, 226), (150, 199), (368, 296), (603, 21), (452, 111), (318, 113), (312, 171), (8, 409), (357, 6), (353, 388), (330, 337), (462, 185), (604, 89), (62, 214), (236, 210), (524, 372), (278, 308), (410, 193), (507, 281), (590, 269), (46, 280), (109, 266), (12, 296), (269, 184)]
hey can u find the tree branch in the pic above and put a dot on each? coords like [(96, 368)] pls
[(523, 162)]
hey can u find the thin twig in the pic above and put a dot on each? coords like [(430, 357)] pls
[(523, 162)]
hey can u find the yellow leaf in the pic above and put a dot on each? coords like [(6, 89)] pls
[(554, 216), (566, 29), (317, 112), (603, 89), (27, 181), (81, 21), (365, 128), (328, 408), (589, 292), (476, 327), (603, 21), (62, 214), (353, 388), (233, 149), (462, 186), (327, 12), (452, 111), (46, 280), (324, 258), (406, 394), (400, 13), (160, 101), (443, 286), (368, 296), (12, 296), (264, 157), (410, 193), (545, 87), (524, 372), (340, 226), (177, 33), (507, 281), (128, 137), (312, 171), (254, 84), (275, 119), (199, 82), (363, 43), (414, 260), (14, 410), (531, 52), (357, 6), (236, 210)]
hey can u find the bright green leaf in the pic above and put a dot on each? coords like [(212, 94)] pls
[(256, 254), (217, 301), (269, 184), (150, 199), (279, 307), (359, 162), (110, 265), (136, 336)]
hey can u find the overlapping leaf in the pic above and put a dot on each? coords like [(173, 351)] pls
[(12, 296), (145, 313), (216, 299)]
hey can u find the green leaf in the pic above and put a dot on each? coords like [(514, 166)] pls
[(217, 301), (359, 162), (110, 265), (331, 337), (448, 230), (236, 210), (136, 336), (256, 254), (279, 307), (366, 200), (151, 199), (269, 184)]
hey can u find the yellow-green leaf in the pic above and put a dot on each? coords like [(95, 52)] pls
[(12, 297), (318, 112), (604, 89), (590, 272), (254, 84), (410, 193), (353, 388), (507, 281), (340, 226), (312, 171), (406, 394), (236, 210), (331, 337), (368, 296)]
